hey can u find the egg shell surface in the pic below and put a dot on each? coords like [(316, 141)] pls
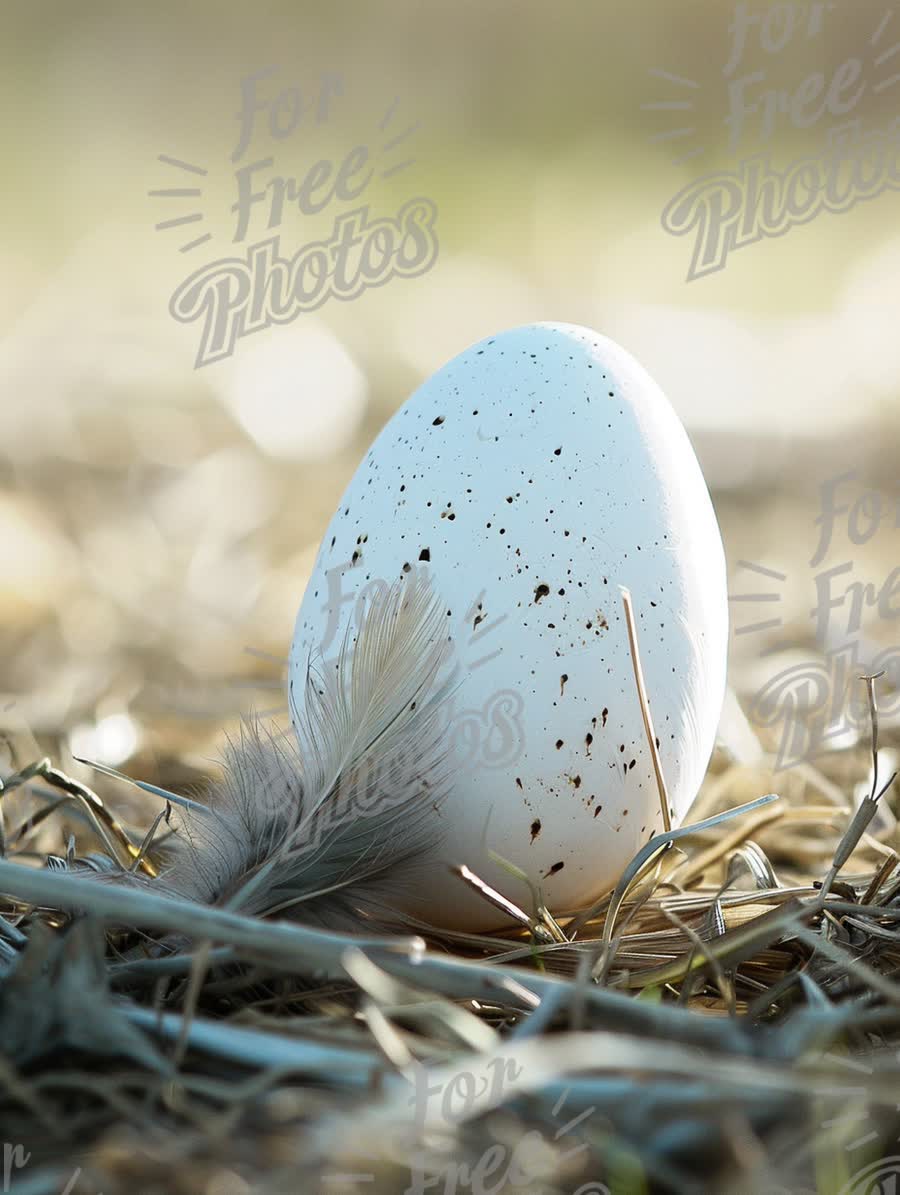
[(532, 476)]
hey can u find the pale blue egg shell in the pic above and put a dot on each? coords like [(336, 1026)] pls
[(544, 456)]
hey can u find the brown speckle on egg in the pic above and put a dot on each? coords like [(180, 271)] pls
[(624, 507)]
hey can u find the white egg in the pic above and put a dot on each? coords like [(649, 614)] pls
[(534, 475)]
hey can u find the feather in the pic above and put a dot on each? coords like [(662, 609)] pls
[(334, 827)]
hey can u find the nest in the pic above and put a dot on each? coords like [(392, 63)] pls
[(725, 1020)]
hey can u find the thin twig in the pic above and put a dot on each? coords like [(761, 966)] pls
[(645, 710)]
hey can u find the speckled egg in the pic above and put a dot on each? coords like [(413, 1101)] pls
[(533, 475)]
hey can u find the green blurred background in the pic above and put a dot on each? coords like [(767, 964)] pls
[(158, 522)]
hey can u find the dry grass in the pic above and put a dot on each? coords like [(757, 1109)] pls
[(727, 1020)]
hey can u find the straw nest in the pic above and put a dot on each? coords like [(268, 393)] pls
[(725, 1020)]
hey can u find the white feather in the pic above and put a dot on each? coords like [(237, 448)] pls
[(332, 828)]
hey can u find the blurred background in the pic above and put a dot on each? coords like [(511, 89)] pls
[(158, 521)]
